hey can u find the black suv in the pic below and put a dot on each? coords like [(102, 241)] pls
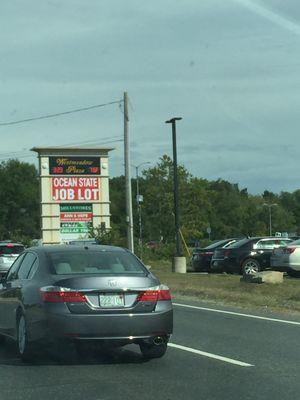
[(246, 256), (201, 258)]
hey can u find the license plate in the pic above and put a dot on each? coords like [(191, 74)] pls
[(111, 300)]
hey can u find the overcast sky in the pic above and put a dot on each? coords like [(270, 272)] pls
[(230, 68)]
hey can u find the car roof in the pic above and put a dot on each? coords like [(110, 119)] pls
[(254, 238), (270, 237), (69, 249), (5, 243), (83, 240)]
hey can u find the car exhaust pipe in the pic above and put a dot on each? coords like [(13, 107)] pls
[(158, 340)]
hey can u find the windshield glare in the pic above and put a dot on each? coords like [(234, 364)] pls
[(239, 243), (219, 243)]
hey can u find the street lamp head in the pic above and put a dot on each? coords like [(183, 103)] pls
[(270, 205), (138, 166), (172, 120), (143, 163)]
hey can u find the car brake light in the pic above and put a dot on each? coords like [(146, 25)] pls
[(160, 294), (289, 250), (61, 295), (208, 253), (10, 245)]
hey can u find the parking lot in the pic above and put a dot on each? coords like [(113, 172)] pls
[(215, 353)]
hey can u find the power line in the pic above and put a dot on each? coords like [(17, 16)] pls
[(25, 154), (91, 141), (21, 121)]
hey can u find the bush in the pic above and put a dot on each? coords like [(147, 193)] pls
[(110, 237)]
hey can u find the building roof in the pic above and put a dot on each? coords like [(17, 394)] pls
[(57, 150)]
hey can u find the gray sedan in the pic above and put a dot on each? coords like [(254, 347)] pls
[(102, 294)]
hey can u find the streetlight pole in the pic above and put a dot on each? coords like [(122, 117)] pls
[(179, 260), (139, 206), (129, 217), (270, 214)]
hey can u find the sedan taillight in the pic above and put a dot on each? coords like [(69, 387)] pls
[(289, 250), (160, 294), (61, 295)]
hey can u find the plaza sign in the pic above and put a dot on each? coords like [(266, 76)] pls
[(74, 165), (75, 189), (75, 219)]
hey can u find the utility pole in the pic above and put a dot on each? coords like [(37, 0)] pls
[(129, 217), (179, 262), (270, 214), (175, 189), (139, 200)]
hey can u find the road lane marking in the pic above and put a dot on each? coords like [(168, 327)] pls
[(210, 355), (285, 321)]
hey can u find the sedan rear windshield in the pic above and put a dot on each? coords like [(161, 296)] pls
[(295, 242), (219, 243), (11, 249), (95, 263)]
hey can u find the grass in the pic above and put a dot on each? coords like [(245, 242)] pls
[(228, 290)]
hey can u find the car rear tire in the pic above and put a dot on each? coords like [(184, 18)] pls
[(294, 274), (250, 267), (151, 350), (24, 347)]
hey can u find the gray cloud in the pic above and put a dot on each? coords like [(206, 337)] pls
[(231, 69)]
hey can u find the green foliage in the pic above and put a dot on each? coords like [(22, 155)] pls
[(221, 205), (163, 252), (19, 201), (108, 236)]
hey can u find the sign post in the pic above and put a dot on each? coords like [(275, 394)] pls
[(208, 230)]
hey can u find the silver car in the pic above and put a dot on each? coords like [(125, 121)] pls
[(287, 259), (101, 294), (9, 251)]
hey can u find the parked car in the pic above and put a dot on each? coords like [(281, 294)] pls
[(201, 258), (9, 251), (247, 256), (287, 259), (102, 294), (153, 245)]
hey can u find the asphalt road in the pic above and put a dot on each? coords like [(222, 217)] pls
[(270, 347)]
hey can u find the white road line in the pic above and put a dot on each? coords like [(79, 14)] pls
[(210, 355), (284, 321)]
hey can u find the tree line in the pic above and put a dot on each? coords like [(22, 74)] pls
[(228, 210)]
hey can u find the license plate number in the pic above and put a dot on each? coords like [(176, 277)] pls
[(111, 300)]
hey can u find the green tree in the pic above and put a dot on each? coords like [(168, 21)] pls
[(19, 201)]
